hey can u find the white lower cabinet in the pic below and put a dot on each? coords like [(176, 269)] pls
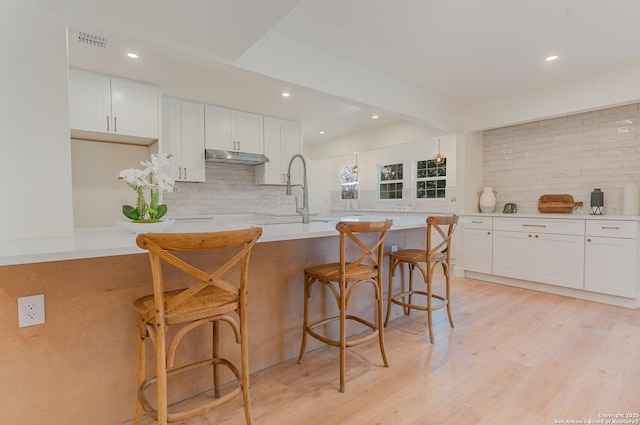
[(541, 251), (594, 255), (478, 249), (611, 258)]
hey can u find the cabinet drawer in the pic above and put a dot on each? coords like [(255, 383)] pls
[(540, 225), (613, 229), (479, 223)]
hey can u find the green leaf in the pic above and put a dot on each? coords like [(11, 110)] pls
[(161, 211), (130, 212)]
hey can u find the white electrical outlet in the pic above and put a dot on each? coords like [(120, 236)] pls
[(394, 248), (30, 310)]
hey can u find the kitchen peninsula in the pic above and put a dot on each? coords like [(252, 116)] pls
[(91, 279)]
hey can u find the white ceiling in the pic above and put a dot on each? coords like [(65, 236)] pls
[(456, 53)]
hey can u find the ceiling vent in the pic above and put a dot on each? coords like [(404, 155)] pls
[(91, 39)]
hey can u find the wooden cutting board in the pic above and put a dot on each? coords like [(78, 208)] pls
[(557, 204)]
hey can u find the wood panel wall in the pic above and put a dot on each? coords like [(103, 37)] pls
[(80, 366)]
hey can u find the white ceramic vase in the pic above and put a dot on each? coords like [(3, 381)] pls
[(487, 200)]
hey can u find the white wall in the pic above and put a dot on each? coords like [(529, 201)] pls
[(98, 194), (35, 176), (406, 154), (601, 92)]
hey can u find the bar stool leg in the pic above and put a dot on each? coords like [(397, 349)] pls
[(429, 302), (343, 332), (448, 292), (303, 346), (142, 356), (390, 290), (215, 333), (380, 324), (244, 354)]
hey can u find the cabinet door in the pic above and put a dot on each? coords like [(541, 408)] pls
[(282, 140), (172, 136), (271, 172), (219, 128), (135, 108), (192, 134), (512, 254), (611, 266), (292, 145), (249, 132), (89, 101), (478, 250), (558, 260)]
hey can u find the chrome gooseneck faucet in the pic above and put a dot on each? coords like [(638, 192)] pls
[(304, 210)]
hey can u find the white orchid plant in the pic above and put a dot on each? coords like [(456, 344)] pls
[(155, 181)]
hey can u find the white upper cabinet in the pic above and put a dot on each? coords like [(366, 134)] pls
[(112, 109), (282, 140), (183, 138), (231, 130)]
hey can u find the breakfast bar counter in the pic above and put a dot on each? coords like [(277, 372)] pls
[(110, 241), (89, 282)]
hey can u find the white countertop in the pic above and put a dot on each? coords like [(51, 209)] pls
[(554, 216), (109, 241)]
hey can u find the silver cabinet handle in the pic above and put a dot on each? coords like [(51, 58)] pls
[(477, 221), (115, 124), (185, 173), (534, 225), (107, 123), (610, 227)]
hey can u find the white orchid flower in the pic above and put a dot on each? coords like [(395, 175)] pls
[(166, 183), (134, 177), (153, 179)]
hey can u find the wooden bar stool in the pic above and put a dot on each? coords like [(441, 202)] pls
[(433, 255), (343, 279), (211, 299)]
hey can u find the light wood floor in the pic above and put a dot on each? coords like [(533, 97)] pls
[(514, 357)]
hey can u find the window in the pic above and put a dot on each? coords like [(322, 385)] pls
[(348, 183), (390, 181), (431, 179)]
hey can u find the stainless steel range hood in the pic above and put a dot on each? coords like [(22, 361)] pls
[(233, 157)]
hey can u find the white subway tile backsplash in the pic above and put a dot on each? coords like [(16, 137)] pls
[(229, 189), (573, 154)]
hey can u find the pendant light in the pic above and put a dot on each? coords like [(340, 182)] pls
[(439, 159), (355, 167)]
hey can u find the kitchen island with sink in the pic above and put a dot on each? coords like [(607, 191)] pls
[(89, 282)]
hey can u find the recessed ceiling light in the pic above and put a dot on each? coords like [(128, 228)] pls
[(321, 132), (132, 55), (374, 117), (286, 94), (551, 58)]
